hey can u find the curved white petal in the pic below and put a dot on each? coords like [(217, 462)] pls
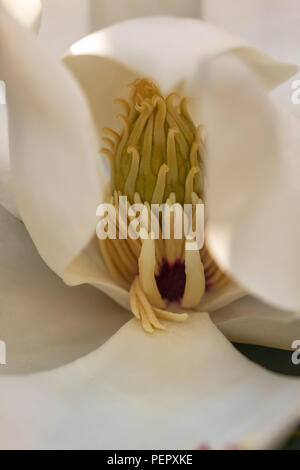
[(164, 49), (287, 95), (253, 226), (28, 12), (53, 150), (6, 190), (44, 323), (89, 268), (156, 394), (252, 322)]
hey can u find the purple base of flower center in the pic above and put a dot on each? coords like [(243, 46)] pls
[(171, 280)]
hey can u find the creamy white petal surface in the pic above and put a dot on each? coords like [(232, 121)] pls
[(250, 321), (189, 379), (44, 323), (164, 49), (53, 150), (28, 12), (6, 186), (151, 392), (253, 190)]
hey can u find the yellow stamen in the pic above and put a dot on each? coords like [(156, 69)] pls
[(132, 176), (158, 193), (156, 158)]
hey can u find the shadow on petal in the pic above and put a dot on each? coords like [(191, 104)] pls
[(44, 323)]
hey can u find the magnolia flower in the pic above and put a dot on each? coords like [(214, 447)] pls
[(185, 387)]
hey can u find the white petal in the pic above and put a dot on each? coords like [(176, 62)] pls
[(164, 49), (89, 267), (253, 190), (28, 12), (6, 190), (156, 394), (44, 323), (287, 95), (53, 151), (250, 321)]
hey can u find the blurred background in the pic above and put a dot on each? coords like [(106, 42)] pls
[(272, 25)]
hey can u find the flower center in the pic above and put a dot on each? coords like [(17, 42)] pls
[(171, 280), (157, 158), (159, 150)]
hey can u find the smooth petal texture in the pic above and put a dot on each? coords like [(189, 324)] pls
[(164, 49), (44, 323), (172, 390), (53, 152), (252, 322), (28, 12), (253, 148), (6, 190)]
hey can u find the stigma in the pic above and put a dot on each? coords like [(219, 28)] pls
[(157, 158)]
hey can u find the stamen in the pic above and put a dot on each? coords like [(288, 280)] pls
[(147, 309), (120, 149), (159, 139), (183, 145), (179, 317), (184, 128), (127, 272), (108, 153), (189, 184), (147, 178), (110, 142), (158, 157), (125, 105), (171, 157), (140, 124), (159, 190), (111, 265), (143, 310), (194, 160), (132, 176), (113, 133), (185, 113)]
